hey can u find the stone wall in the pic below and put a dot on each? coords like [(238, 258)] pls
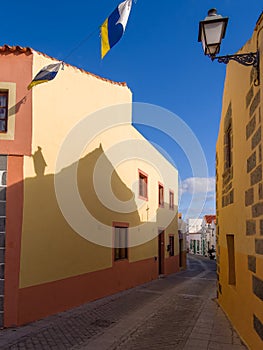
[(3, 175)]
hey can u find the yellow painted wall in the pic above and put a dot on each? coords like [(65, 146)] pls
[(239, 301), (51, 249)]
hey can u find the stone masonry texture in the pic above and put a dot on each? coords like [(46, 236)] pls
[(3, 162), (258, 326), (257, 209), (258, 287), (250, 227), (252, 263), (251, 162), (259, 246), (250, 128), (256, 175), (256, 138), (249, 197), (260, 191), (254, 103), (249, 96), (261, 227)]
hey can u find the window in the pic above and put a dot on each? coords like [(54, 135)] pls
[(230, 239), (160, 195), (171, 245), (228, 147), (120, 243), (143, 184), (7, 110), (3, 111), (171, 200)]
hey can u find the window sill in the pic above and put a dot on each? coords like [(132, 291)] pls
[(120, 260), (143, 198)]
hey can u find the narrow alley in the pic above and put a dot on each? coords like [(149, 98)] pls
[(175, 312)]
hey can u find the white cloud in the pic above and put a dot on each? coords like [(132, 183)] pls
[(195, 185)]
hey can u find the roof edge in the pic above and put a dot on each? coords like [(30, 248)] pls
[(28, 50), (260, 18)]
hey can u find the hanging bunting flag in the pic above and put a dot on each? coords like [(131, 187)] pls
[(45, 74), (114, 26)]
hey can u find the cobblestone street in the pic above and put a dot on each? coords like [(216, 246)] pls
[(174, 312)]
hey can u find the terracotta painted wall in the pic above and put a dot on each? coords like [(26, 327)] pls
[(17, 68), (15, 74), (45, 299)]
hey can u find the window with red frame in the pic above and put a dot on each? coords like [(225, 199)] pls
[(171, 245), (161, 195), (171, 200), (3, 111), (143, 185), (121, 243)]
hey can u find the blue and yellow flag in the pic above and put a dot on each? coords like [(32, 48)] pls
[(114, 26), (45, 74)]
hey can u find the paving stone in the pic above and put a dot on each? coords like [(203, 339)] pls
[(218, 346), (222, 338), (200, 336), (176, 312), (196, 344)]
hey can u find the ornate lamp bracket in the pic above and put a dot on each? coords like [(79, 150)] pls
[(246, 59)]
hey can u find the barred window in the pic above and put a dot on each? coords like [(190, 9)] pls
[(171, 245), (3, 111)]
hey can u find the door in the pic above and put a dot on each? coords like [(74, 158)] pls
[(180, 252), (161, 252)]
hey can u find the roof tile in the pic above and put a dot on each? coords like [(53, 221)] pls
[(28, 50), (210, 218)]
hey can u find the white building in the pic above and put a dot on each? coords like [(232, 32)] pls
[(201, 235), (183, 243), (194, 236), (208, 233)]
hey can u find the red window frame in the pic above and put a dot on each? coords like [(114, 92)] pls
[(171, 199), (120, 253), (160, 195), (171, 245), (143, 185)]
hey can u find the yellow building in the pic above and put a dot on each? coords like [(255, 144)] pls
[(240, 197), (88, 206)]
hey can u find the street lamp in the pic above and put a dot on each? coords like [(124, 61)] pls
[(211, 32)]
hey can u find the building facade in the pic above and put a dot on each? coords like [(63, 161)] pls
[(195, 236), (208, 234), (84, 214), (239, 190), (182, 235)]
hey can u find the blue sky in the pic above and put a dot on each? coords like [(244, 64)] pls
[(159, 57)]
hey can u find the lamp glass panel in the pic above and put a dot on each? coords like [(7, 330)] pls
[(203, 40), (213, 32)]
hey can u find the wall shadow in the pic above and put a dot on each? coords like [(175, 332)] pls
[(14, 109), (52, 252), (39, 162)]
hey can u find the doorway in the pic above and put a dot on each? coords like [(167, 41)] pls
[(161, 252), (180, 252)]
